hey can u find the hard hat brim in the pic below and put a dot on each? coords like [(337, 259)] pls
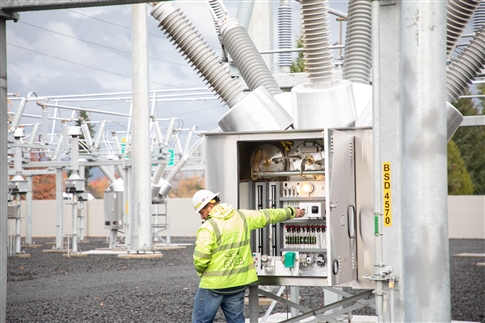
[(204, 204)]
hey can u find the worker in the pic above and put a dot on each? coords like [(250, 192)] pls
[(223, 257)]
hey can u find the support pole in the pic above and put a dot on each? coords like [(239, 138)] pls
[(376, 112), (17, 224), (74, 223), (28, 211), (253, 304), (59, 201), (3, 171), (426, 276), (141, 125)]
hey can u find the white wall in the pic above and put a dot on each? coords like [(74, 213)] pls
[(466, 218), (183, 221)]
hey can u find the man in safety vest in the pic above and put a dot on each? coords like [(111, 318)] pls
[(223, 257)]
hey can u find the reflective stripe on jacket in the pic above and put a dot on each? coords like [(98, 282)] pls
[(222, 255)]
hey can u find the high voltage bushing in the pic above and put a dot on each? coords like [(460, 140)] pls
[(193, 47), (466, 67), (323, 102), (253, 112), (244, 12), (479, 17), (458, 15), (246, 57), (358, 43), (316, 40), (285, 35)]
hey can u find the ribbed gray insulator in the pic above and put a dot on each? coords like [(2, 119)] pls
[(358, 42), (247, 58), (458, 15), (284, 35), (17, 161), (466, 67), (479, 17), (74, 153), (244, 12), (316, 41), (193, 47), (218, 11)]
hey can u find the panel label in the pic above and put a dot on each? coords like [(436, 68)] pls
[(386, 175)]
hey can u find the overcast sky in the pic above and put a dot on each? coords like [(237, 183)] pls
[(88, 51)]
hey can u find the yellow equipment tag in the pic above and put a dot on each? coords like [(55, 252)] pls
[(386, 175)]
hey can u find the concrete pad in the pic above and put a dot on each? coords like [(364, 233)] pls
[(74, 255), (140, 255), (20, 255), (55, 251), (477, 255), (169, 247), (30, 246)]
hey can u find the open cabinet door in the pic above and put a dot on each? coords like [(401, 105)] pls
[(340, 207)]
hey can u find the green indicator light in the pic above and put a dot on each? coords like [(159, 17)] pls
[(376, 225)]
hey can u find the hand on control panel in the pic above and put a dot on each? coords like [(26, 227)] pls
[(299, 213)]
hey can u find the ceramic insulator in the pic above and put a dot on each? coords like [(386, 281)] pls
[(193, 48), (316, 38), (17, 161), (479, 17), (284, 34), (358, 43), (75, 153), (247, 58), (458, 15), (244, 12), (466, 67), (218, 11)]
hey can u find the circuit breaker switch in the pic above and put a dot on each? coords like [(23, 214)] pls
[(290, 258)]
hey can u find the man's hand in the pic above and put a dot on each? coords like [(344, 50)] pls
[(299, 213)]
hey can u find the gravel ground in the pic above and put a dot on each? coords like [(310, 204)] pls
[(48, 287)]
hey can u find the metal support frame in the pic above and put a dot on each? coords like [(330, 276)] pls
[(31, 5), (59, 204), (308, 312), (158, 227), (28, 211), (3, 168)]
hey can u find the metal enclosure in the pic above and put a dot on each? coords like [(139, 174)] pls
[(326, 172), (113, 210)]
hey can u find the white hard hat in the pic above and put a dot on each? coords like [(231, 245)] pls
[(201, 198)]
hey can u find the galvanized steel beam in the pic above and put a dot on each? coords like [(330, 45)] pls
[(3, 170), (426, 275), (35, 5)]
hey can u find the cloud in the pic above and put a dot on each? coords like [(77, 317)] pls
[(88, 51)]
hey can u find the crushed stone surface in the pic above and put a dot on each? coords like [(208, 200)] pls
[(48, 287)]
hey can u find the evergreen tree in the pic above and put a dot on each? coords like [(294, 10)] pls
[(471, 143), (298, 65), (459, 180)]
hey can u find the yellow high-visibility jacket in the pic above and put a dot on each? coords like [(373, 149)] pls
[(222, 255)]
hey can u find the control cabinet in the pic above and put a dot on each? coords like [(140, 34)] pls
[(312, 170)]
